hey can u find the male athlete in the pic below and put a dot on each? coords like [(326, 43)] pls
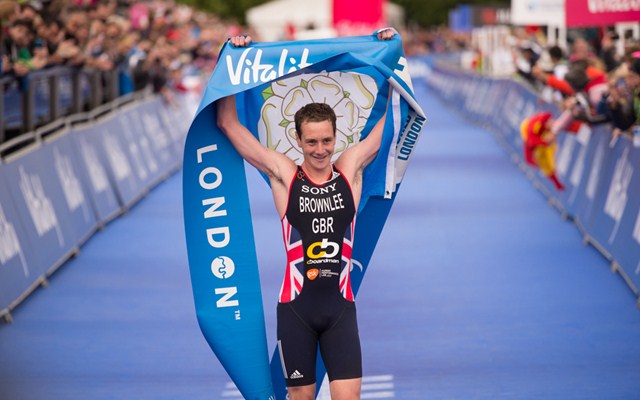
[(317, 202)]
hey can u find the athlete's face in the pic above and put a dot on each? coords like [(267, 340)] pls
[(317, 143)]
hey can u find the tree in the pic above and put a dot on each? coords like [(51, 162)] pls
[(227, 9), (424, 13), (436, 12)]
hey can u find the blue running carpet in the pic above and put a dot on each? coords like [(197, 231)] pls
[(477, 290)]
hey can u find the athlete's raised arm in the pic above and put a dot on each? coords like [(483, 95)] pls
[(243, 141), (278, 167), (353, 161)]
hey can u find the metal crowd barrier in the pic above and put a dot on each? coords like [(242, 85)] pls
[(70, 179), (44, 96)]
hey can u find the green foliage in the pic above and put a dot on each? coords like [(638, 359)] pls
[(422, 12), (227, 9), (436, 12)]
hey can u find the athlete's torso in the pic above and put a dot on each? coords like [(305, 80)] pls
[(318, 228)]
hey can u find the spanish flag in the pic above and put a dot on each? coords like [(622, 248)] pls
[(540, 145)]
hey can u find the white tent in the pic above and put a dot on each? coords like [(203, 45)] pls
[(270, 20)]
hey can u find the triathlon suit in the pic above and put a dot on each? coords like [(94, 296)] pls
[(316, 304)]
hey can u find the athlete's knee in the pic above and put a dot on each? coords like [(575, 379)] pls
[(345, 389), (307, 392)]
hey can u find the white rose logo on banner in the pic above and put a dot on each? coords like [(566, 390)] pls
[(351, 96)]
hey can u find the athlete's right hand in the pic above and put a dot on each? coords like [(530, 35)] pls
[(240, 41)]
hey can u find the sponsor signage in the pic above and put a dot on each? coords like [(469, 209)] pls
[(92, 157), (626, 235), (18, 266), (538, 12), (125, 166), (149, 124), (39, 200), (358, 17), (61, 156), (601, 12), (611, 196)]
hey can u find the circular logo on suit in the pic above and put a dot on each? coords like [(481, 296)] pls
[(312, 273)]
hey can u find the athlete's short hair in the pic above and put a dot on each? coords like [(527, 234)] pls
[(314, 112)]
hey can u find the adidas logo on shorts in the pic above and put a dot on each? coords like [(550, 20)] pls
[(296, 375)]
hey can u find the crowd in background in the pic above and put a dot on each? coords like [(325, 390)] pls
[(151, 44), (160, 44), (593, 80)]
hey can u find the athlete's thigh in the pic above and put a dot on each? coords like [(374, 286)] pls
[(298, 347), (340, 347)]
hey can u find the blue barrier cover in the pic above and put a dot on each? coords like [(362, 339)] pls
[(88, 144), (612, 196), (626, 242), (176, 117), (520, 103), (40, 202), (60, 155), (150, 125), (599, 152), (18, 266), (137, 144), (171, 118), (122, 167), (508, 118), (576, 173)]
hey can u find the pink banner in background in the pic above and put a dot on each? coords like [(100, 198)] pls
[(358, 17), (601, 12)]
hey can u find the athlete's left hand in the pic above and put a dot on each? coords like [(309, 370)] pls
[(386, 33), (240, 41)]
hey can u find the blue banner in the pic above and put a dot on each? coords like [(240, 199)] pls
[(39, 200), (625, 245), (173, 117), (149, 146), (161, 137), (92, 156), (588, 206), (138, 147), (274, 80), (60, 155), (122, 160), (612, 197), (18, 266), (574, 162)]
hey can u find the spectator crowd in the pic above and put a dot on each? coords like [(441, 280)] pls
[(594, 80), (149, 43), (159, 44)]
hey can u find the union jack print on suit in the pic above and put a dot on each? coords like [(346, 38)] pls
[(347, 250), (293, 278)]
